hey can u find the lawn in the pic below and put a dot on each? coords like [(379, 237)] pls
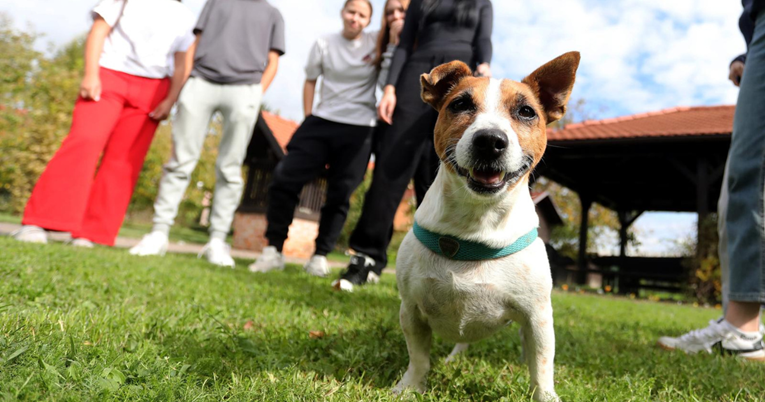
[(90, 325)]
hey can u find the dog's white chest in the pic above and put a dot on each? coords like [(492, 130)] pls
[(461, 307)]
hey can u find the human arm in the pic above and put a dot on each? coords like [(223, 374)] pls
[(180, 74), (746, 25), (406, 42), (276, 49), (309, 90), (387, 104), (313, 70), (90, 87), (382, 76), (270, 72), (482, 43)]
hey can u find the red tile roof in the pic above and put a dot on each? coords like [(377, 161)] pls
[(282, 128), (675, 122)]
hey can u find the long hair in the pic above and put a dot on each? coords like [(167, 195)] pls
[(465, 13), (383, 38)]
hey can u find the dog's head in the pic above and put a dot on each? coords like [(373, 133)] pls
[(493, 132)]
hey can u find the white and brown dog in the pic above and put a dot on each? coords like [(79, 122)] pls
[(473, 262)]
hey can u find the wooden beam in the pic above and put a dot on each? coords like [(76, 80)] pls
[(702, 197), (586, 203), (626, 219), (688, 173)]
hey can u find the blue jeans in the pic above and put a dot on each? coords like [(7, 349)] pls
[(746, 180)]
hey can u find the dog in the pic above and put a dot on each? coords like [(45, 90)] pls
[(473, 262)]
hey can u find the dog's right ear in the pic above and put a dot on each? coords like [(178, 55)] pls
[(440, 81)]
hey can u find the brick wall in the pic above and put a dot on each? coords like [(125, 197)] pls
[(249, 231)]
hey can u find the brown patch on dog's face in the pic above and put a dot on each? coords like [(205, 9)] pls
[(458, 111), (525, 114)]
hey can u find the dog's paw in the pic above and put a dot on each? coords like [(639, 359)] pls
[(546, 396), (458, 349), (405, 385)]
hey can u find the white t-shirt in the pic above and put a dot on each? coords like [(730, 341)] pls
[(146, 37), (347, 92)]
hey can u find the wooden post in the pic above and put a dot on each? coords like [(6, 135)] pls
[(586, 203), (626, 219), (702, 199), (622, 233)]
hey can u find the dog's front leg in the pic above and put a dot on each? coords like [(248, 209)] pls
[(418, 337), (539, 347)]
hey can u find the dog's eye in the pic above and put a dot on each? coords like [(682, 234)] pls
[(462, 104), (527, 112)]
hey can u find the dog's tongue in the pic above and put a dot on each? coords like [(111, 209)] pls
[(487, 177)]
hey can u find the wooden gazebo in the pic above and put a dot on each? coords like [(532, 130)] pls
[(670, 160)]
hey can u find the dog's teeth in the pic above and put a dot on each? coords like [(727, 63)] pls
[(502, 176), (472, 172)]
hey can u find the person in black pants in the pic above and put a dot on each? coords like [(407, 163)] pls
[(336, 133), (443, 30)]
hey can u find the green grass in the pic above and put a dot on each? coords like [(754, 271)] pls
[(196, 235), (92, 325), (10, 218)]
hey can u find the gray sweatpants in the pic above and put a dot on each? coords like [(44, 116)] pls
[(199, 100)]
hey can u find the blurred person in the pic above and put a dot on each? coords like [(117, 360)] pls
[(336, 133), (434, 32), (390, 33), (135, 66), (742, 234), (236, 57)]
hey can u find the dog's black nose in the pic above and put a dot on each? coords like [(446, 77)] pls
[(489, 144)]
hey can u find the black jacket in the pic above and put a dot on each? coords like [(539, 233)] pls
[(751, 9)]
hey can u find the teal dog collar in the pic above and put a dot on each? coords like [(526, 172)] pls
[(463, 250)]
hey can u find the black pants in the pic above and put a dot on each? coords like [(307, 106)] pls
[(406, 151), (316, 144), (427, 163)]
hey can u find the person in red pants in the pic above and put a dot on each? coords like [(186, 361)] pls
[(135, 67)]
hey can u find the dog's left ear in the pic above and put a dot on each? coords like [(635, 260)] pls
[(553, 83), (440, 81)]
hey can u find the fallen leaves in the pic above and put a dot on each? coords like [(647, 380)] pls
[(316, 334)]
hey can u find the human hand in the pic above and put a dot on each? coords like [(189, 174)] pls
[(162, 111), (90, 87), (386, 107), (483, 70), (736, 72), (395, 31)]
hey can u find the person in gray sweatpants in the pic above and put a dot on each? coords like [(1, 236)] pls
[(742, 207), (237, 52)]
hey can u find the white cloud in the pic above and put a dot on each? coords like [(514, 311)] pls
[(637, 55)]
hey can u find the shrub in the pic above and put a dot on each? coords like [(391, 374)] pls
[(703, 263)]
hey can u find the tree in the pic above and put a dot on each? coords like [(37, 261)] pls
[(36, 100)]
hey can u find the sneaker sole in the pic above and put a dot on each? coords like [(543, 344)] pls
[(748, 358)]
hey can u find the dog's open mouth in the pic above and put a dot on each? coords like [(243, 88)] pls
[(488, 179)]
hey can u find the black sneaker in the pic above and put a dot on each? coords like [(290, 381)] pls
[(359, 272)]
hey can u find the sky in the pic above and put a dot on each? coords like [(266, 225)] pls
[(637, 55)]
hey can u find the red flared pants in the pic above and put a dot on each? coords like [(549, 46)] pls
[(112, 136)]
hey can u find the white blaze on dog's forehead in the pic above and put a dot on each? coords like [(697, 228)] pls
[(494, 95), (491, 116)]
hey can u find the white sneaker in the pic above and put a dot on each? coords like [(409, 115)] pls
[(269, 260), (720, 336), (218, 253), (80, 242), (31, 234), (317, 266), (154, 243)]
